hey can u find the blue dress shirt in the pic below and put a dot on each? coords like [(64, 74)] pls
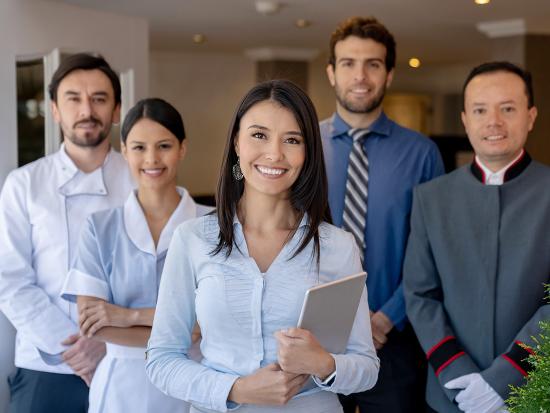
[(240, 308), (399, 159)]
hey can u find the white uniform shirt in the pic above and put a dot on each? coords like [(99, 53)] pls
[(117, 261), (42, 208)]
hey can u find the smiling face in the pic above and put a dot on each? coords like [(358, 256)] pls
[(359, 74), (85, 108), (271, 149), (497, 118), (153, 154)]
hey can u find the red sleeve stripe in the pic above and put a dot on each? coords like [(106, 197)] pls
[(526, 348), (515, 365), (434, 348), (517, 357), (444, 353), (453, 358)]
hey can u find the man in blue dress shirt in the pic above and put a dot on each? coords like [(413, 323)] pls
[(362, 59)]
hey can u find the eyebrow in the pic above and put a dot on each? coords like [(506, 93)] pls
[(266, 129), (142, 142), (75, 93)]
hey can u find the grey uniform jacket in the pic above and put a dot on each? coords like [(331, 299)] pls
[(476, 262)]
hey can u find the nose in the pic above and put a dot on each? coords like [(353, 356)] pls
[(495, 118), (360, 72), (274, 151), (85, 108), (151, 156)]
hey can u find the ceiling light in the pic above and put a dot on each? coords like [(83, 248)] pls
[(199, 38), (302, 23), (267, 7), (414, 62), (480, 2)]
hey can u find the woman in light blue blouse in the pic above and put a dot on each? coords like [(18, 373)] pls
[(119, 260), (242, 274)]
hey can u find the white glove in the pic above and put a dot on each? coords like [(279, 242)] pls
[(476, 396)]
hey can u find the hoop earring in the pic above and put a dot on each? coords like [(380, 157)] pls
[(237, 172)]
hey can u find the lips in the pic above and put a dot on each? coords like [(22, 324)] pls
[(494, 138), (153, 172), (271, 172)]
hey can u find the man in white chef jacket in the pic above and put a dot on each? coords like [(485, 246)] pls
[(42, 207)]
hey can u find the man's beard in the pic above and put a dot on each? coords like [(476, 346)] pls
[(360, 107), (88, 139)]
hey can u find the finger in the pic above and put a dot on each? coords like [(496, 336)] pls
[(96, 327), (90, 321), (273, 367), (458, 383), (295, 332), (71, 339)]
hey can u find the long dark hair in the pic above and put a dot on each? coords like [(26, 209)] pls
[(309, 194)]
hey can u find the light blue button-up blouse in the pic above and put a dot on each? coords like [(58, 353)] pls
[(240, 308)]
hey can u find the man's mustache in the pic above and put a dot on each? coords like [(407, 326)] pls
[(91, 119)]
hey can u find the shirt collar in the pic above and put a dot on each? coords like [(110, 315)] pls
[(138, 230), (509, 172), (381, 126), (72, 181)]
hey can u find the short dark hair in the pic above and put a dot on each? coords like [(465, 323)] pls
[(309, 194), (157, 110), (503, 66), (364, 28), (83, 61)]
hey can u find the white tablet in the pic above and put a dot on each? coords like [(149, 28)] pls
[(329, 311)]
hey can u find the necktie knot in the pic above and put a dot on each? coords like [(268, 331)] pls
[(358, 134)]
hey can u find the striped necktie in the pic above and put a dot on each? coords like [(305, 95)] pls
[(355, 201)]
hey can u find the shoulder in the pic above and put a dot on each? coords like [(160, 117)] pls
[(446, 189), (326, 126), (540, 170), (107, 223), (331, 237), (412, 137), (204, 229), (35, 169)]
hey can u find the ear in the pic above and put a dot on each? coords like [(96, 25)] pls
[(533, 112), (182, 151), (123, 150), (116, 114), (55, 112), (331, 75), (463, 118), (389, 78), (236, 144)]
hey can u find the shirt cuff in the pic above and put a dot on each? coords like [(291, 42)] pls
[(327, 382), (80, 283)]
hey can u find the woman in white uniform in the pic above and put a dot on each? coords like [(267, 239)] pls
[(243, 272), (119, 260)]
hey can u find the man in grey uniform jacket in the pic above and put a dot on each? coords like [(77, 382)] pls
[(479, 252)]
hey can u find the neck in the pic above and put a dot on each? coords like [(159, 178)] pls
[(158, 204), (266, 213), (358, 120), (87, 159), (495, 165)]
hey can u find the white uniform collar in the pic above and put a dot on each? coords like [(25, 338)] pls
[(136, 224), (73, 181)]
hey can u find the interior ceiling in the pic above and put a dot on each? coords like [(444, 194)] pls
[(436, 31)]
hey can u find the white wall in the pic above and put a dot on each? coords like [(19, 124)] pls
[(205, 88), (36, 27)]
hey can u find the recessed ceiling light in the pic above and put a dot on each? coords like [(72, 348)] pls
[(302, 23), (199, 38), (414, 62), (480, 2)]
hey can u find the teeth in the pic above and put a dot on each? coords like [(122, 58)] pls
[(494, 137), (152, 172), (270, 171)]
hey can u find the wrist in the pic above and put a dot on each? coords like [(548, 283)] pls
[(236, 393), (327, 367)]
